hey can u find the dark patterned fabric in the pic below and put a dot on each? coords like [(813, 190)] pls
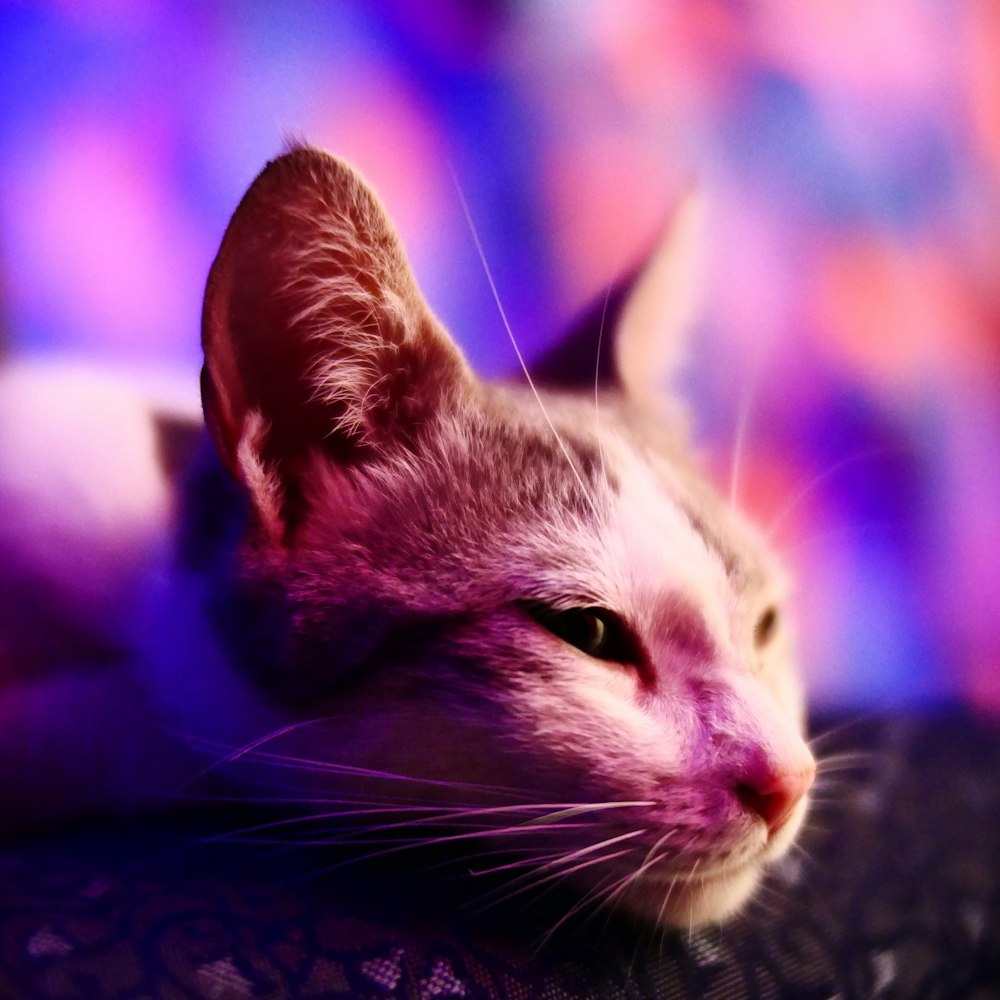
[(896, 894)]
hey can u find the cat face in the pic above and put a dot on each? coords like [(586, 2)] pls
[(530, 611)]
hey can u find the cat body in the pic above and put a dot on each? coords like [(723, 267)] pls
[(412, 590)]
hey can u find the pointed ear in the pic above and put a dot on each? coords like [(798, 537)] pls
[(315, 334), (634, 336), (662, 304)]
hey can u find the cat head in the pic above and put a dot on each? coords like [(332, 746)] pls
[(534, 605)]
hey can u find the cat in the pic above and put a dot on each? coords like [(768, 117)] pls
[(421, 595)]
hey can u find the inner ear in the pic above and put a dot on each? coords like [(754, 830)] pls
[(585, 355), (314, 331)]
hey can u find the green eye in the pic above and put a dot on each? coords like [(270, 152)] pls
[(595, 631), (586, 629), (767, 625)]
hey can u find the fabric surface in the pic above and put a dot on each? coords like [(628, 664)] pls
[(896, 894)]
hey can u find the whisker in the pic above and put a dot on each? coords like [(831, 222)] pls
[(817, 741), (651, 859), (511, 865), (852, 760), (397, 848), (860, 456), (232, 754), (349, 837), (828, 783), (740, 433), (533, 855), (562, 859), (329, 767), (597, 383), (550, 820), (517, 350), (799, 849), (826, 795), (666, 899), (500, 898), (576, 809), (690, 877), (861, 531), (590, 898), (774, 907)]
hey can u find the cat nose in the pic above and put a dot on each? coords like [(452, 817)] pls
[(773, 796)]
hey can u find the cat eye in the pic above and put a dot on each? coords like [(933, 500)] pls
[(765, 628), (595, 631)]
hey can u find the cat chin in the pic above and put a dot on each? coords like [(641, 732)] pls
[(709, 898), (691, 902)]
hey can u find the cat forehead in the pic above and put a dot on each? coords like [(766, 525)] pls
[(634, 467), (502, 501)]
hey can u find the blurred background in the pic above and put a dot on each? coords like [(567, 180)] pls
[(851, 157)]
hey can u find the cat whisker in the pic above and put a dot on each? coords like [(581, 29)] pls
[(773, 906), (818, 829), (236, 753), (806, 855), (396, 847), (532, 862), (652, 858), (513, 890), (816, 742), (339, 836), (564, 857), (850, 760), (610, 896), (666, 898), (577, 809), (826, 795), (860, 531), (597, 383), (517, 351), (740, 433), (431, 815), (690, 877), (322, 766), (861, 456), (356, 835), (827, 785), (591, 898), (289, 800), (532, 856)]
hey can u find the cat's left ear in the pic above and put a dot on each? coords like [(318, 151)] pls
[(662, 304)]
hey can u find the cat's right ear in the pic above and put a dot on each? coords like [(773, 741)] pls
[(316, 337)]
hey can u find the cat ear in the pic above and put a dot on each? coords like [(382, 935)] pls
[(315, 335), (662, 304), (633, 337)]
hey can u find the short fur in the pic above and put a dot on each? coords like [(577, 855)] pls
[(362, 597)]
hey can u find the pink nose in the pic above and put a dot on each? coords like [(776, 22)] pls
[(773, 797)]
